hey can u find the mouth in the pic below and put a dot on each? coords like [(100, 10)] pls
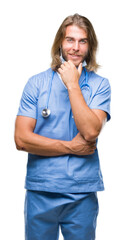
[(74, 56)]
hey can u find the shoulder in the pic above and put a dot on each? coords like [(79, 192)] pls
[(94, 76), (97, 80), (38, 78)]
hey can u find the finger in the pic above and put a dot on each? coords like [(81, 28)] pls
[(70, 63), (66, 63), (62, 66), (60, 70), (92, 143), (91, 151), (93, 148), (80, 69)]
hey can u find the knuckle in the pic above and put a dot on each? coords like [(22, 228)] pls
[(62, 66)]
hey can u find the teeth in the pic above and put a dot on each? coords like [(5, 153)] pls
[(72, 55)]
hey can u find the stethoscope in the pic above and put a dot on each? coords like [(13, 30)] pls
[(46, 111)]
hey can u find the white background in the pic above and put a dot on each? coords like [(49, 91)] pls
[(27, 31)]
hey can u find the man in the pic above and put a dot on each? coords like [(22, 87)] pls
[(61, 114)]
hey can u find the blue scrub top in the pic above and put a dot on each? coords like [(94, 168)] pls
[(68, 173)]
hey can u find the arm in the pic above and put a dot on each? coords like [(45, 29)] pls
[(89, 122), (28, 141)]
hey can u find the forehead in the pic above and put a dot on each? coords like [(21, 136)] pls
[(75, 32)]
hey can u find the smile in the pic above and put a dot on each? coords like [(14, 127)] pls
[(74, 56)]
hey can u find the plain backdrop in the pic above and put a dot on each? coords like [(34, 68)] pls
[(27, 31)]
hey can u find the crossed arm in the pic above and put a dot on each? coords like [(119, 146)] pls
[(27, 140), (89, 123)]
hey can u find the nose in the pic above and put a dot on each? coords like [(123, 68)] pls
[(76, 46)]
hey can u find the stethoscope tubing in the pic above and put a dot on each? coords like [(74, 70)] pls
[(50, 87), (46, 111)]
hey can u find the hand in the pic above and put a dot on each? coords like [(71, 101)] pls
[(79, 146), (69, 73)]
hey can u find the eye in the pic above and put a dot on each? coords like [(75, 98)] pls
[(83, 41), (69, 39)]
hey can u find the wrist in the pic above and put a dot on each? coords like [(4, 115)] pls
[(72, 86), (66, 147), (70, 148)]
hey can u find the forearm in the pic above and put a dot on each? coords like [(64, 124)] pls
[(86, 120), (43, 146)]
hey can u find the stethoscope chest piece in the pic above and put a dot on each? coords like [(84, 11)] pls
[(45, 112)]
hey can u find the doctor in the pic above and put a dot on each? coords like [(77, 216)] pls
[(61, 114)]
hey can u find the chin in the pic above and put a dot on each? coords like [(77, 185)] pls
[(76, 63)]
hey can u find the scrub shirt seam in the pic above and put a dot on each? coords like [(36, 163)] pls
[(36, 179), (96, 91)]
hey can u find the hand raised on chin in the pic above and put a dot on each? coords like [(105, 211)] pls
[(69, 73)]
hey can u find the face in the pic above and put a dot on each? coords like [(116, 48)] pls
[(75, 45)]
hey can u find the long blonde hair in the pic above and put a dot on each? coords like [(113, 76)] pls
[(81, 22)]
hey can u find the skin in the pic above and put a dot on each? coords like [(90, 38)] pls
[(74, 49), (75, 45), (89, 122), (27, 140)]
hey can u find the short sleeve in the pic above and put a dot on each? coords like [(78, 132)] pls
[(28, 102), (102, 98)]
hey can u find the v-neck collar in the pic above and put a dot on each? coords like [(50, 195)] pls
[(82, 78)]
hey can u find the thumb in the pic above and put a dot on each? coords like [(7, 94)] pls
[(80, 69)]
